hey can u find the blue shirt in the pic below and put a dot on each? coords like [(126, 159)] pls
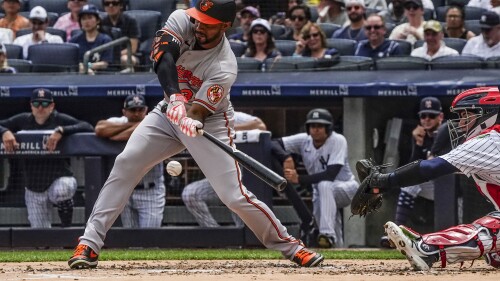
[(81, 40), (348, 33), (386, 49)]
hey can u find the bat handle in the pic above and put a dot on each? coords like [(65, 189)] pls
[(200, 131)]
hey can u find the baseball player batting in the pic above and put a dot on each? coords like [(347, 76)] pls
[(478, 129), (196, 69)]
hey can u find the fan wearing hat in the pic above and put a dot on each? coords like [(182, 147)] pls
[(260, 45), (434, 45), (4, 66), (246, 16), (486, 44), (413, 30), (332, 11), (39, 35), (69, 21), (13, 20), (356, 14), (48, 181)]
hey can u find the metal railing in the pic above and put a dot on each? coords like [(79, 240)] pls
[(110, 45)]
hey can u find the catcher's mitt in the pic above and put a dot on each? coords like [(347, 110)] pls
[(366, 200)]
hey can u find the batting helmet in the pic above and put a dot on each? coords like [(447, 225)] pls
[(319, 116), (477, 109), (213, 11)]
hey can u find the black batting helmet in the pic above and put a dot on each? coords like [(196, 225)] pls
[(213, 11), (320, 116)]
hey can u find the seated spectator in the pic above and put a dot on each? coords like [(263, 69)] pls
[(280, 17), (69, 21), (356, 13), (413, 30), (396, 12), (380, 5), (48, 181), (92, 37), (39, 35), (246, 16), (484, 4), (260, 45), (6, 35), (128, 26), (376, 46), (332, 11), (455, 23), (298, 17), (4, 66), (434, 47), (486, 44), (12, 19), (313, 43)]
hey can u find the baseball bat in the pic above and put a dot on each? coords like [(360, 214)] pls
[(267, 175)]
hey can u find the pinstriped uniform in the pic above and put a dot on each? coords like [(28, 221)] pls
[(328, 196)]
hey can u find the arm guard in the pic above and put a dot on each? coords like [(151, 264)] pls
[(165, 53)]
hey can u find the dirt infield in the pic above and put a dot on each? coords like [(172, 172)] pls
[(251, 270)]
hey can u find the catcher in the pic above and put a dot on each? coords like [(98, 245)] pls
[(478, 129)]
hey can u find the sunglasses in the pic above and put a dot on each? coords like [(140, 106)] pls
[(300, 18), (314, 35), (137, 109), (77, 0), (428, 115), (37, 22), (412, 6), (354, 8), (374, 27), (112, 4), (44, 104), (259, 30)]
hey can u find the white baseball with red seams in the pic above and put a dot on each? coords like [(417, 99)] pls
[(174, 168)]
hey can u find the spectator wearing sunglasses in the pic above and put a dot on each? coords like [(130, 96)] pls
[(313, 43), (4, 66), (413, 30), (12, 19), (47, 181), (280, 17), (423, 136), (332, 11), (39, 35), (246, 16), (260, 45), (298, 17), (69, 21), (434, 45), (376, 46), (455, 23), (354, 30), (486, 44)]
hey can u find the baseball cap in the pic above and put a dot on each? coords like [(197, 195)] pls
[(88, 9), (38, 13), (489, 19), (42, 94), (134, 101), (252, 10), (349, 3), (213, 11), (417, 2), (261, 22), (433, 25), (430, 105)]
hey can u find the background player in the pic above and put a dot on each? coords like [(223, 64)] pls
[(146, 204), (478, 157), (196, 69)]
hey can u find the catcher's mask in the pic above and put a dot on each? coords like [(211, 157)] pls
[(320, 116), (477, 110)]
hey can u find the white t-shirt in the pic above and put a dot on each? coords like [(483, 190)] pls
[(443, 51), (27, 40), (6, 35), (400, 29), (477, 46), (485, 4)]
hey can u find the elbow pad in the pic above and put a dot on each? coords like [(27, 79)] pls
[(163, 43)]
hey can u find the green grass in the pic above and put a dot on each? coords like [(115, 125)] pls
[(187, 254)]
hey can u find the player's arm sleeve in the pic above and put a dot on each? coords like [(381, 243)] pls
[(420, 171), (72, 125), (13, 123), (293, 143), (329, 174)]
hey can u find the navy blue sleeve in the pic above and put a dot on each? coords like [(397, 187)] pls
[(436, 167)]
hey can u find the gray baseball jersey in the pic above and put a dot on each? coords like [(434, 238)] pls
[(205, 77)]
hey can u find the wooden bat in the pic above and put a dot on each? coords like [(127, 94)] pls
[(267, 175)]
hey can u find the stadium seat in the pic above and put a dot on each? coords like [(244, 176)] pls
[(346, 47), (53, 57), (54, 31), (369, 11), (238, 48), (493, 62), (286, 47), (455, 43), (353, 63), (314, 13), (428, 14), (165, 7), (388, 28), (51, 15), (277, 30), (402, 63), (55, 6), (248, 64), (149, 22), (98, 4), (329, 28), (458, 62), (290, 64), (20, 65), (418, 44), (405, 47), (473, 25), (14, 51)]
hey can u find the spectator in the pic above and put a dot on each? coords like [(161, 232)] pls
[(6, 35), (484, 4), (4, 66), (69, 21), (48, 181), (434, 47), (332, 11), (324, 153), (376, 46), (486, 44), (423, 137), (92, 37), (13, 20), (39, 35), (396, 12), (246, 16), (280, 17), (354, 30), (455, 23), (413, 30), (313, 43), (261, 42), (128, 26), (299, 16), (199, 194), (495, 6), (144, 208), (379, 5)]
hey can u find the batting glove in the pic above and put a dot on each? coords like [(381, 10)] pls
[(176, 109), (190, 127)]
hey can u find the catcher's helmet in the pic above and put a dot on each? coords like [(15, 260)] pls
[(478, 110), (213, 11), (319, 116)]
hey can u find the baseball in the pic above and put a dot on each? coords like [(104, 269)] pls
[(174, 168)]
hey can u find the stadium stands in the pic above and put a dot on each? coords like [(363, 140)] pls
[(14, 51), (290, 63), (238, 48), (56, 6), (405, 47), (53, 57), (458, 62), (329, 28), (149, 22), (286, 47), (54, 31), (402, 63), (248, 64), (346, 47), (51, 15), (165, 7), (21, 65)]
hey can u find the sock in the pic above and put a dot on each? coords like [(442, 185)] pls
[(406, 202), (65, 210)]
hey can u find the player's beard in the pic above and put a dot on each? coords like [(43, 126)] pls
[(203, 39)]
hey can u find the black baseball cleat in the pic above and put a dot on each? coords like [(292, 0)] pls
[(326, 241), (83, 257), (307, 258)]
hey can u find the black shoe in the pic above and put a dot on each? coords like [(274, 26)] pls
[(326, 241), (307, 258), (83, 257)]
